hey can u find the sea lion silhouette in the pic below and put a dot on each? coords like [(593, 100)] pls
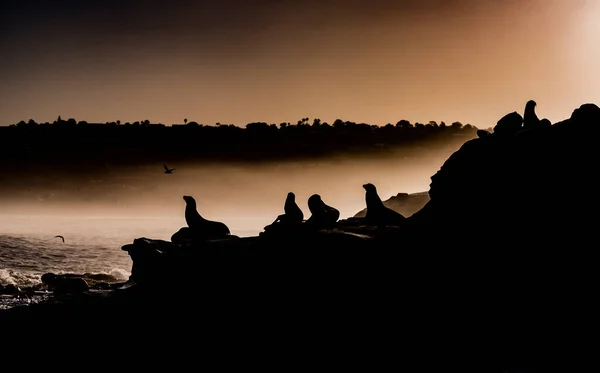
[(322, 216), (377, 213), (200, 226), (509, 124), (530, 118), (292, 213)]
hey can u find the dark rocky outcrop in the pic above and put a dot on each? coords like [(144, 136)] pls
[(58, 287), (65, 284), (10, 289), (519, 186)]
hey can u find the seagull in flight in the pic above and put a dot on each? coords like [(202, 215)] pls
[(61, 237), (168, 170)]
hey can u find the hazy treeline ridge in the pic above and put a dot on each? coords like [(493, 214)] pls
[(74, 140)]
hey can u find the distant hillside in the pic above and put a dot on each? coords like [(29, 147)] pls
[(73, 143), (404, 203)]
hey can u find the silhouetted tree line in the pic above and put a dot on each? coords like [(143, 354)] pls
[(144, 141)]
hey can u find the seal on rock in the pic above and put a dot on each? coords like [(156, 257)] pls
[(290, 220), (292, 213), (377, 213), (509, 124), (201, 227), (322, 216), (530, 118)]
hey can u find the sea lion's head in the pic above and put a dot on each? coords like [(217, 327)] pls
[(371, 196), (530, 104), (370, 187), (315, 204), (315, 198), (189, 200), (291, 197)]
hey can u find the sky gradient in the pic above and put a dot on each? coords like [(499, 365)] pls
[(275, 61)]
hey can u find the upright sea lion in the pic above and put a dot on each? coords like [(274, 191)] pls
[(201, 227), (530, 118), (322, 216), (377, 213), (292, 213)]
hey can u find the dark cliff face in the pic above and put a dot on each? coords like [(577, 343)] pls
[(518, 178), (516, 181)]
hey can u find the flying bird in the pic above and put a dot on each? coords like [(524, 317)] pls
[(168, 170), (61, 237)]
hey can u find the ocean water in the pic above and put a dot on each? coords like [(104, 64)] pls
[(29, 248)]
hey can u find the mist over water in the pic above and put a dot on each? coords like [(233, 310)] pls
[(126, 202), (98, 210)]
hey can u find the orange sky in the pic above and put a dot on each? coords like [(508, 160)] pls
[(278, 61)]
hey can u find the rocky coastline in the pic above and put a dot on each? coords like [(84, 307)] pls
[(500, 252)]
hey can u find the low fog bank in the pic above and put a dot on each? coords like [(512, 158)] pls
[(245, 196)]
